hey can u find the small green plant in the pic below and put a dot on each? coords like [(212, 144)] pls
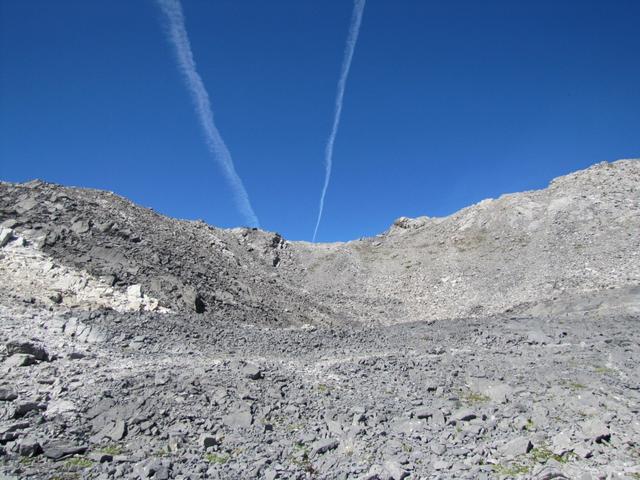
[(512, 470), (576, 386), (322, 388), (301, 458), (294, 427), (162, 452), (529, 425), (473, 398), (26, 461), (407, 448), (543, 454), (604, 370), (216, 458), (79, 462), (111, 449)]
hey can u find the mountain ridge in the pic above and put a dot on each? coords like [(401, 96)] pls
[(499, 255)]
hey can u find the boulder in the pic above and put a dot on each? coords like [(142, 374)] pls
[(6, 234), (28, 348)]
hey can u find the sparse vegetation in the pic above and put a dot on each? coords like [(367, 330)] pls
[(26, 461), (473, 398), (511, 470), (604, 370), (79, 462), (216, 458), (162, 452), (575, 386), (111, 449), (301, 457), (543, 455), (322, 388)]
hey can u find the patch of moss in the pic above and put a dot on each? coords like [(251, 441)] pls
[(216, 458), (26, 461), (300, 457), (162, 452), (407, 448), (473, 398), (294, 427), (512, 470), (78, 462), (604, 370), (529, 425), (111, 449), (543, 455), (575, 386)]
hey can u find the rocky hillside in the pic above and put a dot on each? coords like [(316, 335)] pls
[(518, 254), (501, 342)]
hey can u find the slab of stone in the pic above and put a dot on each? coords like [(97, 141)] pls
[(238, 419), (58, 450), (323, 446), (7, 394), (395, 470), (517, 446), (596, 430)]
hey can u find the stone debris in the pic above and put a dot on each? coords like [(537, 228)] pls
[(499, 342)]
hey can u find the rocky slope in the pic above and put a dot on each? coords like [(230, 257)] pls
[(579, 236), (499, 342)]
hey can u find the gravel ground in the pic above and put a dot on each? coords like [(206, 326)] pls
[(146, 395)]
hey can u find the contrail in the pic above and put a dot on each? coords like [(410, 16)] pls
[(354, 29), (177, 34)]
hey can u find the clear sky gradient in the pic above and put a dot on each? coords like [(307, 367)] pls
[(447, 103)]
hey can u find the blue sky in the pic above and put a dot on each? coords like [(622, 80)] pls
[(447, 103)]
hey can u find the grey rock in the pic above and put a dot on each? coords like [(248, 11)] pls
[(20, 360), (100, 457), (438, 448), (596, 430), (561, 443), (29, 447), (7, 395), (463, 415), (10, 223), (6, 234), (323, 446), (56, 298), (238, 419), (252, 372), (207, 441), (23, 408), (549, 473), (538, 338), (441, 465), (57, 450), (118, 431), (28, 348), (582, 450), (395, 470), (81, 226), (516, 446)]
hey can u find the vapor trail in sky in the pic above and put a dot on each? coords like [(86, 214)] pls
[(354, 29), (177, 34)]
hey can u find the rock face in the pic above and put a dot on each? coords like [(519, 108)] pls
[(499, 342)]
